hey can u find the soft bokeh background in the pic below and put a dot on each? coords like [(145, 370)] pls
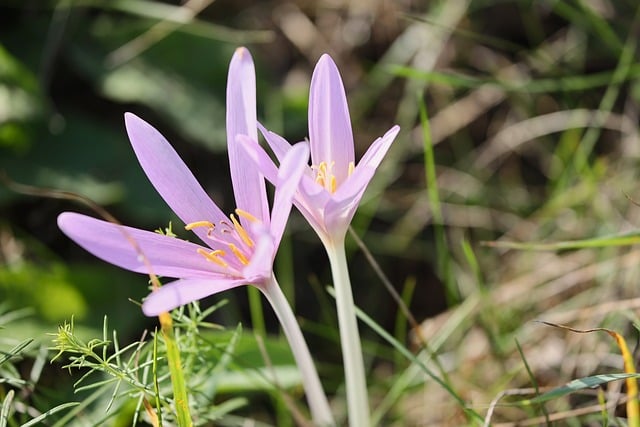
[(533, 113)]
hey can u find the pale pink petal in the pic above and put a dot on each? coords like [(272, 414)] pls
[(378, 149), (259, 158), (181, 292), (137, 250), (261, 266), (330, 131), (338, 216), (291, 171), (311, 200), (355, 185), (248, 183), (170, 176), (339, 211), (278, 144)]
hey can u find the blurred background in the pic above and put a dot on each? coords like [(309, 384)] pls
[(532, 112)]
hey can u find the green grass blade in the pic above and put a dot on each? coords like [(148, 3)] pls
[(257, 313), (38, 420), (6, 407), (442, 246), (577, 385), (412, 358), (626, 239), (178, 383)]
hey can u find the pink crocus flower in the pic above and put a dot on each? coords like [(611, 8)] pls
[(238, 249), (332, 187), (328, 196)]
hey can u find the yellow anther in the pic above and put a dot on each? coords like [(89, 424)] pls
[(321, 173), (238, 253), (197, 224), (214, 256), (241, 231), (352, 166), (325, 176), (247, 215)]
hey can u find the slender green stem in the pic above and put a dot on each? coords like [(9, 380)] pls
[(320, 410), (357, 396)]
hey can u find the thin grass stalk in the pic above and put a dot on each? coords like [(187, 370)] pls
[(442, 247), (178, 384), (256, 312)]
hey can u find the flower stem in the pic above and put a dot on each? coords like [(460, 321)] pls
[(317, 399), (357, 397)]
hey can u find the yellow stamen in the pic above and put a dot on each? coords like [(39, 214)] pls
[(197, 224), (214, 256), (325, 176), (241, 231), (241, 257), (321, 173), (352, 166), (247, 215)]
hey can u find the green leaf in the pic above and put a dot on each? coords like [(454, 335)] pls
[(577, 385)]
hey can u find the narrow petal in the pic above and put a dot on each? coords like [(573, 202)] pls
[(261, 266), (138, 250), (340, 209), (338, 216), (182, 292), (291, 171), (248, 183), (364, 171), (278, 144), (378, 149), (330, 131), (259, 158), (170, 176), (311, 200)]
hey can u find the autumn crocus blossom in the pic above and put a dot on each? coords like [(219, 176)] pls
[(233, 254), (328, 196), (332, 187), (238, 249)]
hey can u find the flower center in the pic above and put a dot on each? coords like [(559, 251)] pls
[(231, 235), (325, 176)]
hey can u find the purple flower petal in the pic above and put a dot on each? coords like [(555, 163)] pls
[(261, 265), (170, 176), (259, 158), (181, 292), (138, 250), (248, 183), (338, 215), (330, 131), (278, 144), (340, 209), (366, 168), (289, 175), (378, 149)]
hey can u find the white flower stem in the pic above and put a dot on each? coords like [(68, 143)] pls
[(317, 399), (356, 385)]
